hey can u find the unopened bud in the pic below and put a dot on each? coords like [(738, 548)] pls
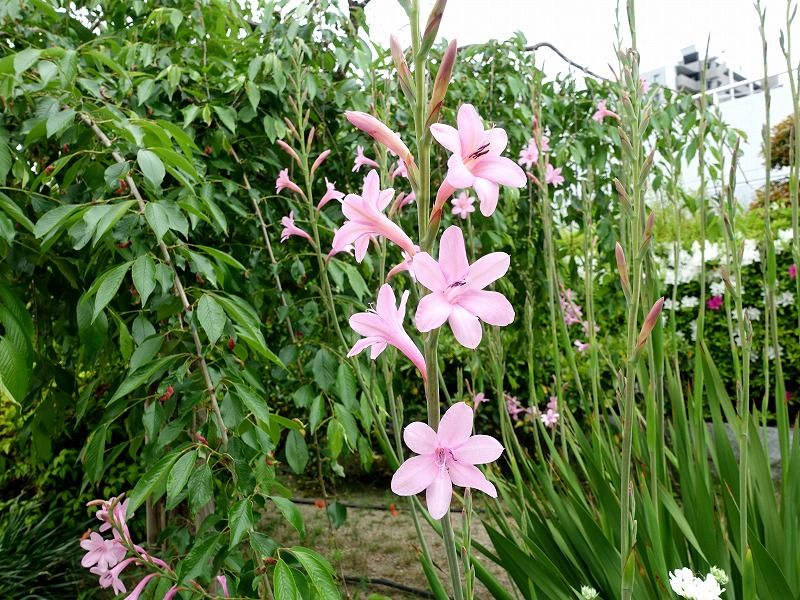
[(648, 231), (649, 323), (432, 27), (310, 138), (290, 126), (443, 77), (380, 133), (289, 150), (320, 159), (622, 268), (403, 72), (623, 195)]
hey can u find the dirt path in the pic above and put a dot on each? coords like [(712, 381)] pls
[(376, 543)]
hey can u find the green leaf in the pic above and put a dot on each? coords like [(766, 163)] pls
[(283, 582), (152, 483), (58, 121), (255, 404), (55, 218), (228, 117), (93, 454), (211, 317), (9, 206), (319, 571), (262, 544), (141, 376), (296, 452), (201, 488), (198, 558), (144, 276), (116, 172), (291, 513), (338, 514), (324, 368), (346, 385), (25, 59), (151, 166), (179, 476), (253, 94), (240, 520), (158, 218), (107, 286)]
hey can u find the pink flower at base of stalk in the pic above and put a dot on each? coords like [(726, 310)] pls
[(476, 162), (362, 160), (365, 218), (793, 271), (462, 205), (102, 552), (290, 229), (553, 176), (445, 457), (330, 194), (283, 183), (383, 326), (580, 346), (714, 303), (550, 418), (602, 112), (457, 290)]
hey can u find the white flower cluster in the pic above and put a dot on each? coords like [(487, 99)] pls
[(589, 593), (686, 585)]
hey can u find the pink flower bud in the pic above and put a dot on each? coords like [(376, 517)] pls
[(380, 133), (320, 159), (442, 81), (649, 323), (289, 150)]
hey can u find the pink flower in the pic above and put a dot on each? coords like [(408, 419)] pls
[(290, 229), (553, 176), (479, 398), (572, 312), (222, 581), (172, 592), (529, 155), (476, 160), (403, 266), (101, 552), (580, 346), (380, 133), (603, 112), (383, 326), (365, 218), (137, 591), (283, 182), (401, 201), (362, 160), (330, 194), (514, 407), (552, 404), (109, 578), (445, 457), (793, 271), (457, 290), (550, 418), (645, 84), (714, 303), (462, 205), (400, 170)]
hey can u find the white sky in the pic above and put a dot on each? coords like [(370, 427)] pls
[(584, 29)]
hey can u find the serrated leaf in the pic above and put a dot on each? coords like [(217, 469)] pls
[(254, 404), (58, 121), (179, 476), (25, 59), (143, 273), (240, 520), (283, 582), (291, 513), (198, 558), (324, 367), (157, 218), (296, 452), (108, 287), (201, 488), (151, 166), (211, 317), (150, 483), (116, 172), (262, 544), (319, 571), (228, 117)]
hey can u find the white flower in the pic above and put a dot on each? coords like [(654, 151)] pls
[(683, 582), (667, 304), (589, 593), (708, 588), (689, 302), (784, 299), (784, 240), (693, 328), (753, 313), (771, 352), (750, 253), (717, 288), (718, 574)]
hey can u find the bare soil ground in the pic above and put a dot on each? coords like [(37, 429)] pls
[(375, 543)]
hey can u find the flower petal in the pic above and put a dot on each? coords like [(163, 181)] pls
[(361, 246), (362, 345), (453, 255), (376, 349), (490, 307), (414, 475), (487, 269), (447, 136), (428, 272), (386, 305), (458, 175), (478, 450), (469, 476), (367, 324), (466, 327), (420, 438), (497, 138), (470, 128), (432, 311), (488, 193), (455, 427), (439, 494), (499, 169)]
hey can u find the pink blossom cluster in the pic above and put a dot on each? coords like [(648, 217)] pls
[(549, 416), (106, 557)]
